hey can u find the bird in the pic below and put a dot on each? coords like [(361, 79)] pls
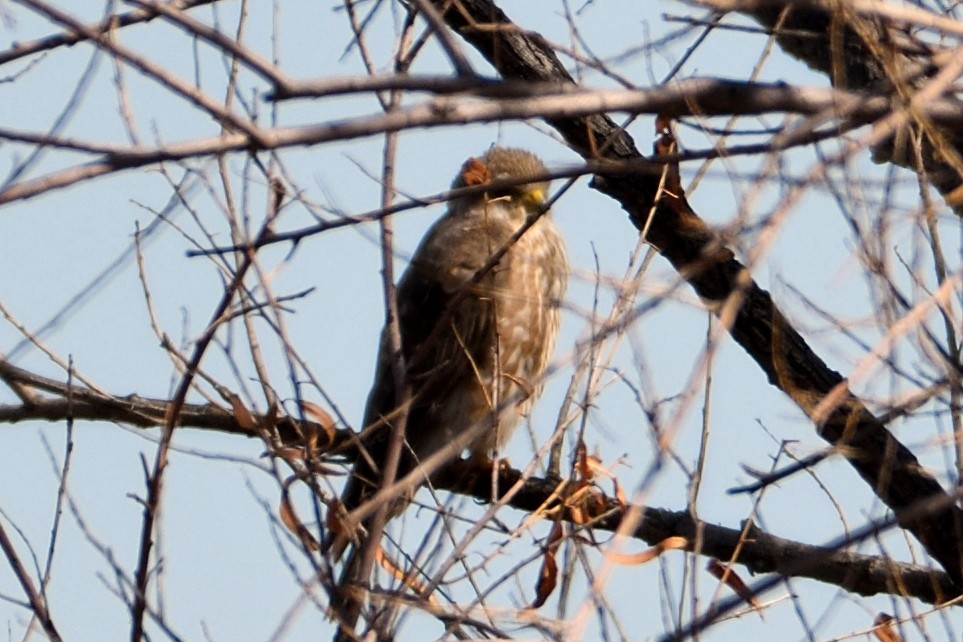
[(476, 342)]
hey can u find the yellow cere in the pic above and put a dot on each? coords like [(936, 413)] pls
[(535, 196)]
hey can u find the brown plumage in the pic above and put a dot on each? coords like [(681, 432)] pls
[(475, 352)]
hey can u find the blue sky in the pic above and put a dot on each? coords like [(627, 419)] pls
[(226, 567)]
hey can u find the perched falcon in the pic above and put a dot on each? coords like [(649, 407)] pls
[(475, 343)]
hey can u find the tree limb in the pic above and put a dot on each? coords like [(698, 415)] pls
[(681, 236), (761, 553), (853, 44)]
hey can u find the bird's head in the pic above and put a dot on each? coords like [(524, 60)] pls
[(501, 166)]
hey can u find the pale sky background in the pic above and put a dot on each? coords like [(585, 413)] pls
[(223, 577)]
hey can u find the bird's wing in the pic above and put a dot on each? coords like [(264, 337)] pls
[(447, 328)]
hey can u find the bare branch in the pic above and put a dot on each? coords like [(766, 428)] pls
[(754, 321), (37, 603), (761, 553), (149, 68), (706, 97), (851, 44), (23, 49)]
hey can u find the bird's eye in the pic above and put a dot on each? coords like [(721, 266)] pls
[(505, 192)]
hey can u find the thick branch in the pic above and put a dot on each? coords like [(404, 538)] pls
[(557, 104), (891, 470), (761, 553), (856, 45), (82, 403)]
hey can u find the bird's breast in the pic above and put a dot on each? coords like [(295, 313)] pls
[(526, 308)]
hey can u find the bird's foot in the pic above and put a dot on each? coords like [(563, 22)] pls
[(479, 472), (482, 462)]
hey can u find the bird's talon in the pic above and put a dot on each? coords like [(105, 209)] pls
[(484, 464)]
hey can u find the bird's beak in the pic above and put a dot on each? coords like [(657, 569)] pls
[(535, 197)]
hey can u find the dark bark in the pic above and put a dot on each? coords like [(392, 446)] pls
[(760, 553), (680, 235), (865, 54)]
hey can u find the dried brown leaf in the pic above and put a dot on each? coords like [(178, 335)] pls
[(619, 494), (242, 415), (582, 467), (884, 631), (733, 581), (649, 554), (290, 454), (585, 504), (631, 559), (595, 467), (278, 190), (323, 419), (333, 520), (399, 574), (577, 515), (548, 574), (270, 420), (290, 520)]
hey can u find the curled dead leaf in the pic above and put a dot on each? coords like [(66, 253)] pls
[(884, 631), (548, 574), (585, 504), (323, 420), (278, 191), (649, 554), (300, 455), (731, 579), (242, 415), (583, 468), (399, 574), (547, 579), (290, 454), (595, 467), (270, 420), (588, 468), (290, 520), (333, 519), (619, 495)]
